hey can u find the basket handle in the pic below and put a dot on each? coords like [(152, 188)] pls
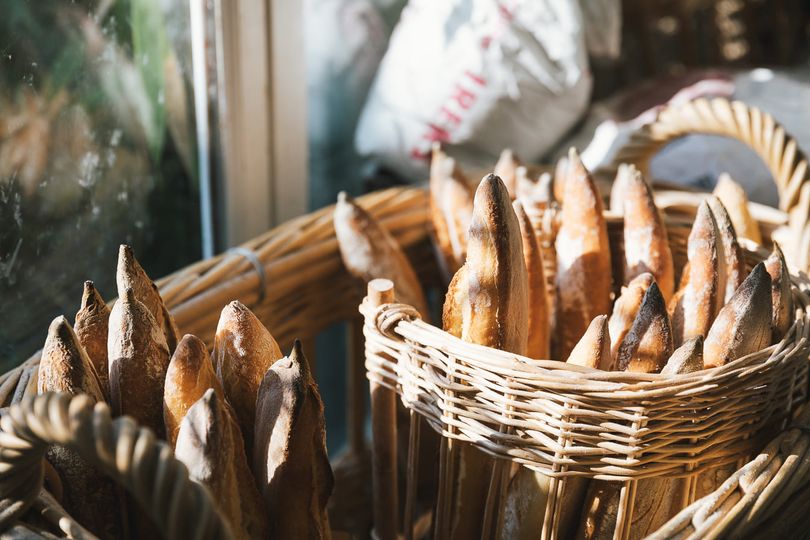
[(131, 455), (733, 119)]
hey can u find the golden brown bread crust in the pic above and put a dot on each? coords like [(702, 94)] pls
[(91, 326), (497, 310), (744, 324), (370, 252), (583, 258), (290, 460), (619, 188), (693, 310), (781, 297), (88, 495), (735, 264), (130, 275), (625, 310), (593, 349), (648, 344), (451, 202), (189, 376), (646, 247), (454, 301), (735, 200), (243, 352), (687, 358), (506, 170), (139, 358), (539, 312)]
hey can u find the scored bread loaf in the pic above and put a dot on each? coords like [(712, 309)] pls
[(619, 188), (537, 345), (91, 326), (687, 358), (743, 326), (583, 258), (703, 286), (130, 275), (735, 264), (87, 494), (491, 291), (625, 310), (451, 202), (243, 352), (139, 358), (593, 349), (189, 377), (646, 247), (290, 462), (733, 197), (648, 344), (781, 297), (454, 302), (506, 170), (370, 252)]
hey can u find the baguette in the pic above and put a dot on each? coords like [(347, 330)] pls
[(593, 350), (781, 297), (139, 358), (701, 297), (243, 352), (87, 494), (625, 310), (506, 170), (646, 248), (206, 445), (130, 275), (733, 197), (735, 265), (619, 188), (290, 460), (91, 326), (534, 193), (648, 344), (494, 314), (189, 377), (687, 358), (583, 258), (539, 328), (451, 202), (370, 252), (454, 303), (744, 324)]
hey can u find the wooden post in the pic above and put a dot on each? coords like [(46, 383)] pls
[(384, 438)]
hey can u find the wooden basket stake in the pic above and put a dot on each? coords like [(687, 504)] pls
[(384, 437)]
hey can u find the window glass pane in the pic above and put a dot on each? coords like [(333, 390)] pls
[(97, 148)]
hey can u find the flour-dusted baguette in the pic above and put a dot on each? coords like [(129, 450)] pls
[(687, 358), (91, 326), (735, 200), (593, 349), (534, 192), (646, 247), (539, 311), (370, 252), (744, 324), (619, 187), (88, 495), (189, 377), (243, 352), (560, 177), (506, 170), (289, 457), (625, 310), (139, 357), (701, 296), (454, 303), (583, 258), (781, 297), (451, 202), (735, 264), (495, 314), (648, 344), (130, 275)]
